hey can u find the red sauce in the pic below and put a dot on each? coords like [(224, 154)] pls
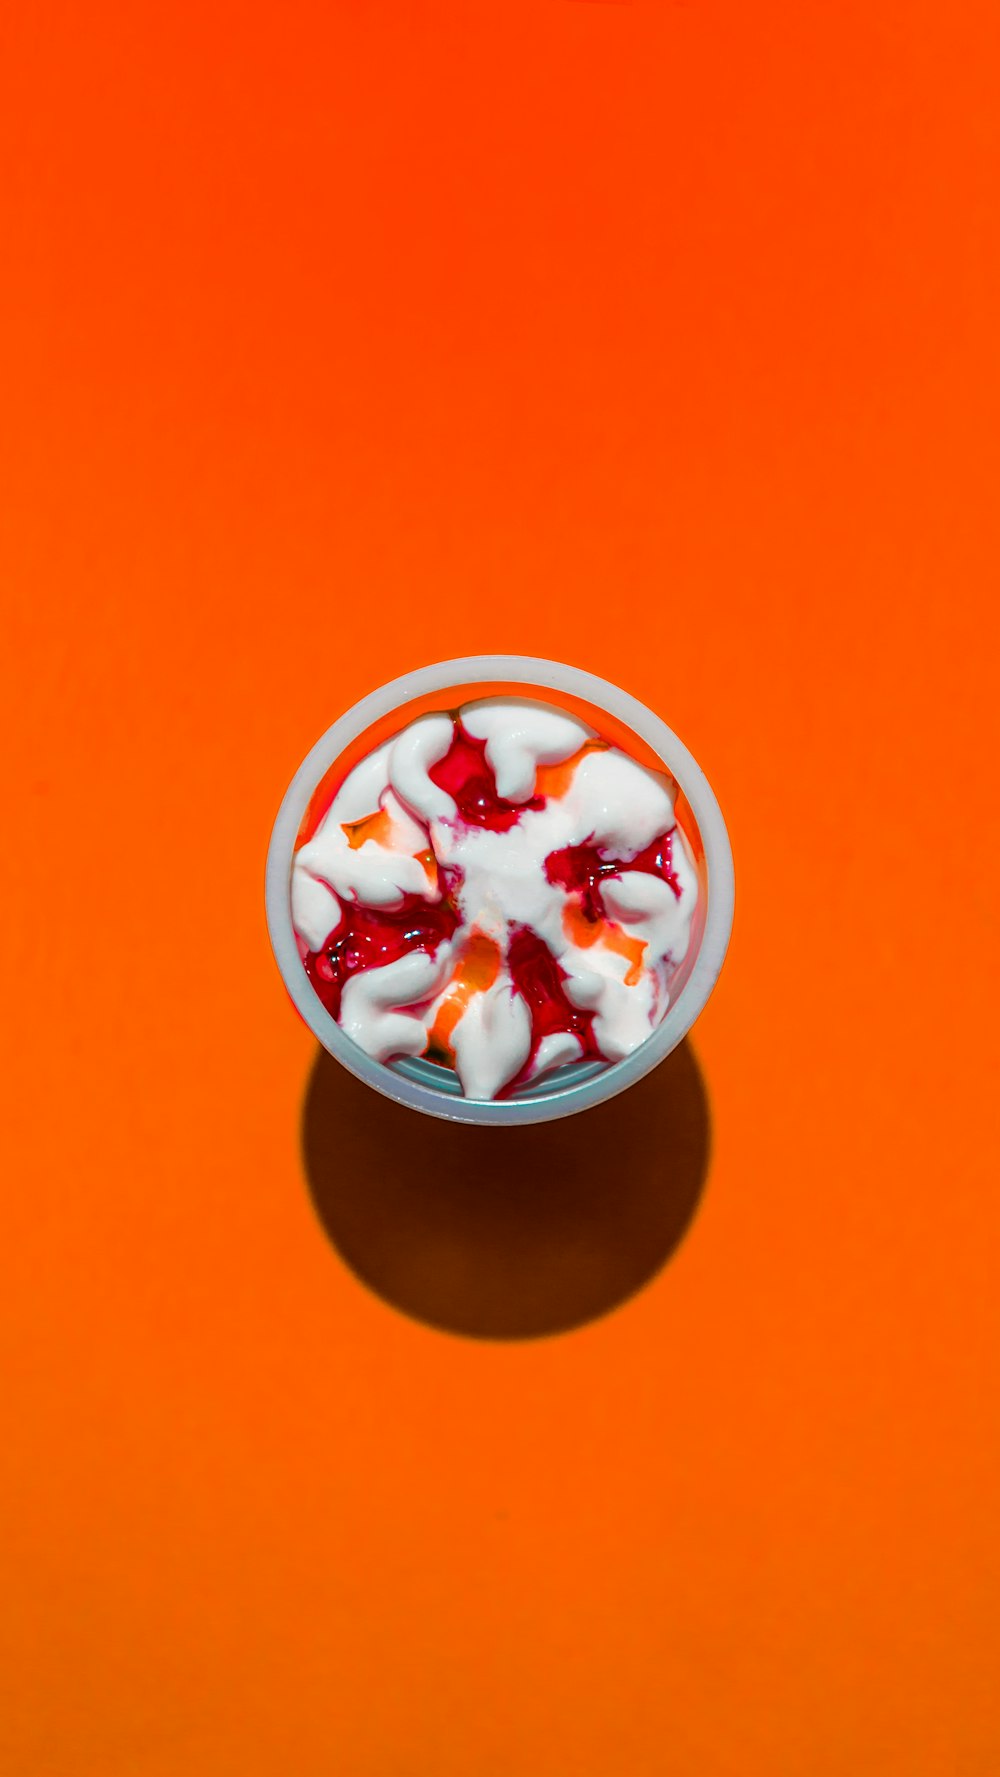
[(467, 776), (536, 975), (369, 937), (580, 869)]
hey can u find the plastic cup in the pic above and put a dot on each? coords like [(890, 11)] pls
[(424, 1085)]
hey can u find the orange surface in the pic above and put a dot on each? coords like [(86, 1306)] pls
[(661, 338)]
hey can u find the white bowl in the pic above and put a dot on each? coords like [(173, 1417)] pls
[(421, 1084)]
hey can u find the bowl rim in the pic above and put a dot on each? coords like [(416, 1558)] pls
[(538, 676)]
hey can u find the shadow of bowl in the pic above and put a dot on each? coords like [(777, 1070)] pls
[(507, 1233)]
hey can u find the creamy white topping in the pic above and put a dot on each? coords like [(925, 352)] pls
[(622, 973)]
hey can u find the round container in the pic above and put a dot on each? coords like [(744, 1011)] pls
[(421, 1084)]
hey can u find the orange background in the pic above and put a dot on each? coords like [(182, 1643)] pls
[(662, 339)]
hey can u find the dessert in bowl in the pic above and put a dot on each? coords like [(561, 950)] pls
[(499, 889)]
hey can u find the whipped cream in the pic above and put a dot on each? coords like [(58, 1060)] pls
[(501, 890)]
